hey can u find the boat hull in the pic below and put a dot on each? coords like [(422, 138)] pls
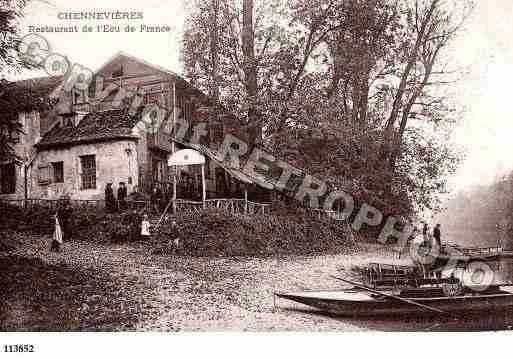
[(361, 304)]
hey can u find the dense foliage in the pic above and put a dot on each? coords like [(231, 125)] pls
[(211, 233), (12, 99), (217, 233), (90, 224), (372, 76)]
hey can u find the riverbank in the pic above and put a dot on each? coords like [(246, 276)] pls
[(107, 287)]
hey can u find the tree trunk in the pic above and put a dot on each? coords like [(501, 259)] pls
[(407, 109), (364, 97), (214, 49), (250, 70), (412, 59)]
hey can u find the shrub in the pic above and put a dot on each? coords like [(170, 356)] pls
[(209, 233), (88, 224), (214, 233)]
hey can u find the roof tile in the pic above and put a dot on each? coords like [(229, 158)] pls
[(94, 127)]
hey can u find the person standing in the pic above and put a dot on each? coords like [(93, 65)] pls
[(175, 236), (437, 238), (145, 228), (437, 235), (122, 194), (158, 198), (155, 198), (57, 235), (65, 214), (110, 200), (134, 224), (68, 213)]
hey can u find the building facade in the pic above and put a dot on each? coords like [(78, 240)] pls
[(105, 135)]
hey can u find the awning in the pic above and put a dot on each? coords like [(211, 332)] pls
[(234, 172)]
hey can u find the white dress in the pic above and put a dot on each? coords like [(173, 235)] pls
[(145, 228), (57, 234)]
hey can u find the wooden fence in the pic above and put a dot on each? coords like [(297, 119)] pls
[(234, 206)]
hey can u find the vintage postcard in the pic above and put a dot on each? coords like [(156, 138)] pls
[(255, 165)]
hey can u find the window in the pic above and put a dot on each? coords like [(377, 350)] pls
[(88, 171), (58, 172), (79, 97), (152, 98), (8, 178), (158, 170), (217, 132), (43, 174), (185, 108)]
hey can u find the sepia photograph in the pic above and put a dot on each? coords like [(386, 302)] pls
[(263, 166)]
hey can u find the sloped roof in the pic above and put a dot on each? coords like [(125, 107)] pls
[(43, 84), (94, 127), (27, 95), (149, 64), (237, 173)]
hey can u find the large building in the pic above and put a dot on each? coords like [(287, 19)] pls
[(94, 137)]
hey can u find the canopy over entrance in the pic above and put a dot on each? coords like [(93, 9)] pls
[(186, 157)]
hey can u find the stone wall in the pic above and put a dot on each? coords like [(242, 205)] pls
[(114, 164)]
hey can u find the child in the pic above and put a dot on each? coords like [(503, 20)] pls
[(145, 228), (175, 235)]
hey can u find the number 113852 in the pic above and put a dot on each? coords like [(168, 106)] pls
[(18, 348)]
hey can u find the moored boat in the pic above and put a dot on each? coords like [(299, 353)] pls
[(355, 302)]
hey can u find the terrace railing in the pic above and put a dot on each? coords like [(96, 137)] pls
[(234, 206)]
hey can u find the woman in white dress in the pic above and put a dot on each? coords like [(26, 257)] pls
[(57, 236)]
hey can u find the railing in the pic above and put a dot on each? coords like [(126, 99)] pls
[(474, 251), (183, 206), (85, 204), (52, 204), (238, 206), (254, 208), (322, 213), (235, 206), (230, 205)]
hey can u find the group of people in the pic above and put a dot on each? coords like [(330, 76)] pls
[(161, 195), (111, 203), (434, 238)]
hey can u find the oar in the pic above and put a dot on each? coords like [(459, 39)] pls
[(409, 301)]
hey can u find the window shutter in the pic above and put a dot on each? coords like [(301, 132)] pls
[(44, 174)]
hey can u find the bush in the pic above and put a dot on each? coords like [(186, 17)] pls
[(37, 219), (87, 224), (210, 233), (218, 233)]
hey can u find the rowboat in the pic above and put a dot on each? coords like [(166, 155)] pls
[(459, 256), (355, 302)]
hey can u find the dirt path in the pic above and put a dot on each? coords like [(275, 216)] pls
[(124, 287)]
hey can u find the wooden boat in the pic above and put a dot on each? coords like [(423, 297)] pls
[(459, 256), (355, 302)]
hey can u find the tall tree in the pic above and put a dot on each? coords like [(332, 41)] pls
[(353, 71), (10, 61), (250, 69), (431, 26), (214, 48)]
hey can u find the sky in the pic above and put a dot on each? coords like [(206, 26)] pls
[(486, 131), (485, 48)]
